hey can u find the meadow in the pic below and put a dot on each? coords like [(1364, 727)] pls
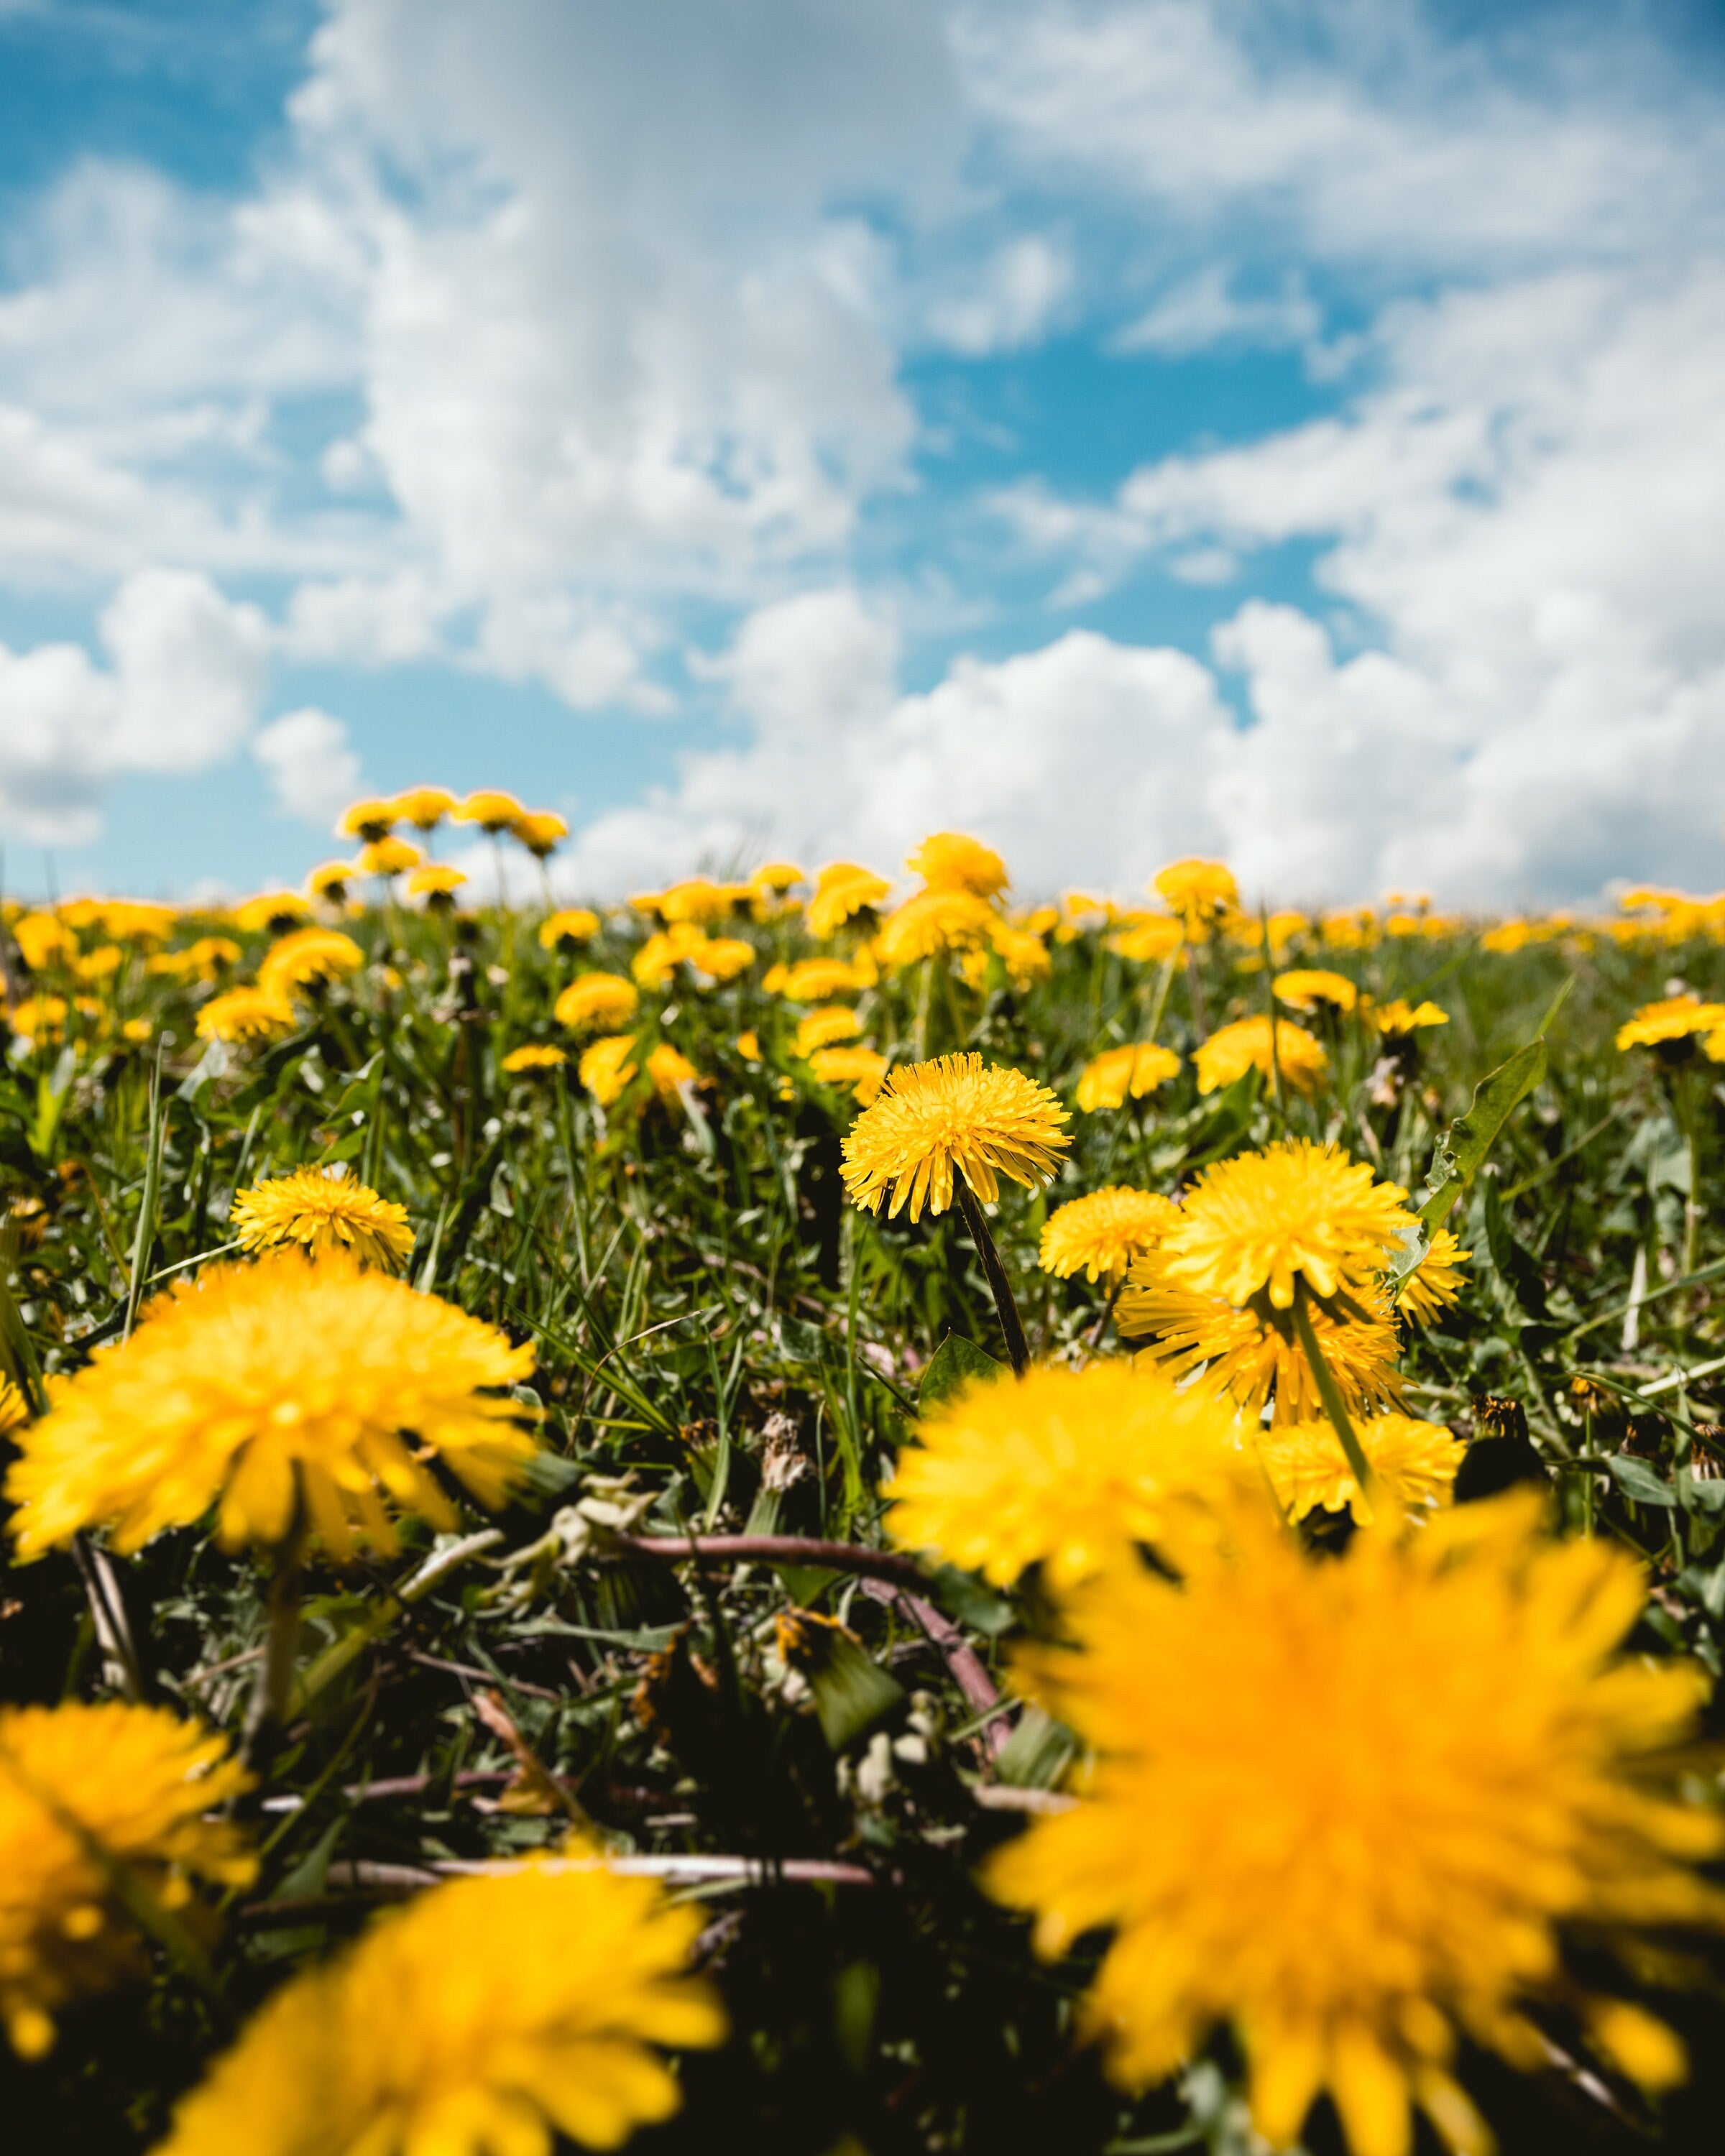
[(832, 1514)]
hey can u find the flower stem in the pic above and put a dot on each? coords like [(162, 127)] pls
[(1018, 1348), (1330, 1392), (890, 1565), (268, 1717)]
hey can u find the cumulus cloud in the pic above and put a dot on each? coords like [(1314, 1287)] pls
[(313, 772)]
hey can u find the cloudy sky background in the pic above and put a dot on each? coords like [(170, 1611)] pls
[(1296, 431)]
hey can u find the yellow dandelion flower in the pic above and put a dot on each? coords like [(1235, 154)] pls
[(206, 960), (724, 958), (864, 1070), (571, 925), (1398, 1020), (1434, 1283), (1061, 1468), (271, 1391), (541, 831), (424, 807), (137, 1030), (932, 1120), (700, 899), (1714, 1045), (1306, 988), (1107, 1080), (39, 1017), (670, 1071), (436, 883), (389, 857), (140, 1784), (368, 821), (534, 1059), (322, 1210), (492, 811), (1022, 952), (486, 2017), (948, 860), (1147, 939), (330, 881), (748, 1045), (935, 924), (14, 1411), (1673, 1021), (817, 980), (842, 890), (606, 1067), (1416, 1462), (271, 913), (596, 1000), (660, 957), (305, 955), (1234, 1050), (42, 938), (776, 876), (1201, 893), (1102, 1235), (242, 1014), (1473, 1769), (822, 1028)]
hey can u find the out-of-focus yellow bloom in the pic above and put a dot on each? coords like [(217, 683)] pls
[(482, 2019), (424, 807), (1201, 893), (1677, 1019), (701, 900), (1396, 1020), (935, 924), (493, 812), (436, 883), (305, 955), (368, 821), (206, 960), (1414, 1462), (41, 939), (1022, 952), (333, 881), (129, 920), (864, 1070), (596, 1000), (818, 980), (262, 1389), (1473, 1770), (271, 913), (1101, 1234), (670, 1071), (140, 1785), (137, 1031), (1146, 938), (1434, 1283), (1306, 988), (660, 957), (606, 1067), (14, 1408), (934, 1120), (322, 1212), (246, 1014), (100, 964), (842, 890), (748, 1045), (1109, 1080), (534, 1059), (39, 1019), (822, 1028), (948, 860), (1061, 1468), (776, 876), (389, 857), (541, 831), (566, 928), (1234, 1050), (724, 958), (1355, 928)]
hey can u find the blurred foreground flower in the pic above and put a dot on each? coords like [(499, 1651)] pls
[(82, 1789), (932, 1119), (1472, 1772), (276, 1392), (323, 1211), (488, 2015)]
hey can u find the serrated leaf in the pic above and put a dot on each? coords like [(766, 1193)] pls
[(955, 1362), (1637, 1480), (1462, 1149)]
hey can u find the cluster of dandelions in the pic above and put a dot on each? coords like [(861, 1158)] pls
[(1480, 1780)]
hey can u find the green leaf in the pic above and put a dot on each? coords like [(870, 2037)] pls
[(1637, 1480), (955, 1362), (1461, 1151), (964, 1597)]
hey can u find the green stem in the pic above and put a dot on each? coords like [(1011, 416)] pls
[(382, 1616), (1018, 1348), (268, 1714), (1330, 1392)]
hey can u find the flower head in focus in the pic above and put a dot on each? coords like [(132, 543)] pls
[(1063, 1468), (932, 1120), (1413, 1461), (1200, 893), (607, 1066), (842, 890), (1232, 1051), (597, 1000), (1309, 989), (864, 1070), (1434, 1283), (1101, 1234), (563, 930), (948, 860), (484, 2018), (1107, 1080), (274, 1391), (246, 1014), (534, 1059), (1474, 1771), (322, 1211), (140, 1784), (368, 821)]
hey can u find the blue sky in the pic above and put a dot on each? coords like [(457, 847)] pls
[(1121, 429)]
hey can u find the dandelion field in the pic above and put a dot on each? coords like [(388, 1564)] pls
[(538, 1610)]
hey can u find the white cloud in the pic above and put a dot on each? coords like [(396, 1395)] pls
[(313, 772), (1205, 310), (1019, 294)]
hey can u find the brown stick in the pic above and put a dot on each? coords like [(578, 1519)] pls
[(961, 1658), (781, 1549)]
